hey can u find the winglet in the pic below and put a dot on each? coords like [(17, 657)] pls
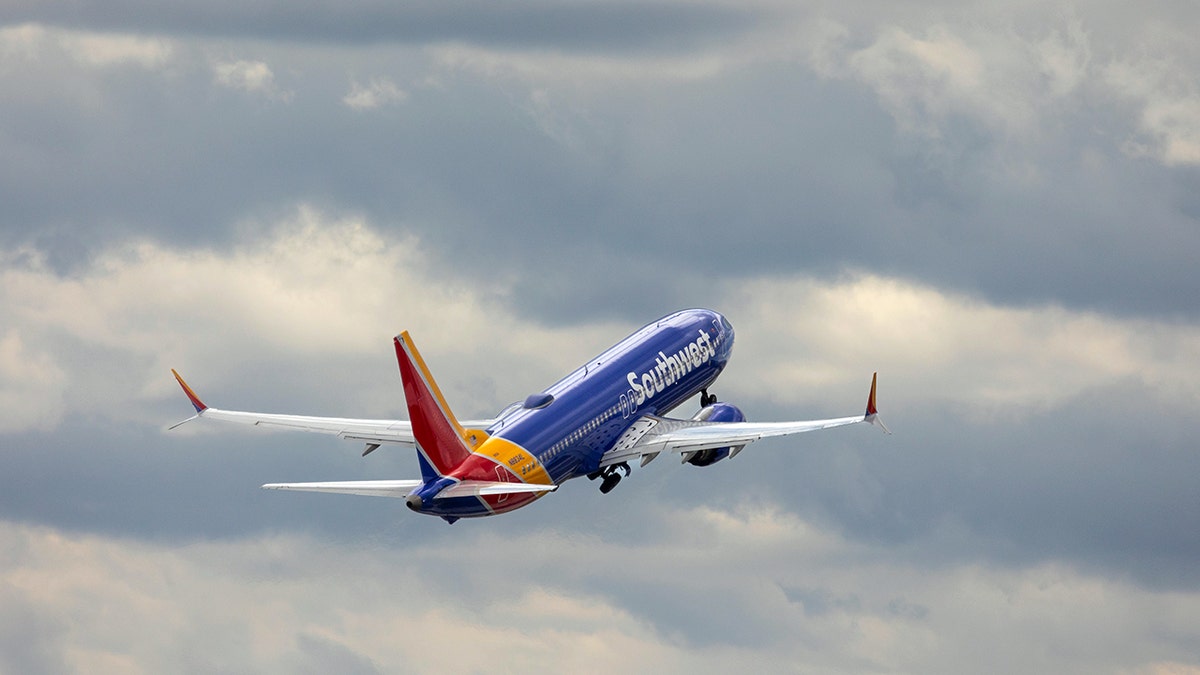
[(871, 409), (196, 402), (872, 414)]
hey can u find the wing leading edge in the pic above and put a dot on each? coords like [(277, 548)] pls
[(655, 435)]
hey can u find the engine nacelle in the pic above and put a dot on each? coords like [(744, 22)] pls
[(717, 412)]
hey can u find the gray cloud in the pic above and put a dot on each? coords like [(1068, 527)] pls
[(756, 167), (992, 207), (30, 641), (321, 655), (284, 603), (1040, 429), (589, 25)]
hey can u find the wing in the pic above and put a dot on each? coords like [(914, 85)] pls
[(372, 432), (650, 436)]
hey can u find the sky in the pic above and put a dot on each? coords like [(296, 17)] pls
[(995, 205)]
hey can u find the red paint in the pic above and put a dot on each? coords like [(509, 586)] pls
[(435, 434), (196, 402), (871, 397)]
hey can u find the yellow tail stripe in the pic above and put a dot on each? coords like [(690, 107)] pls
[(472, 437), (522, 463)]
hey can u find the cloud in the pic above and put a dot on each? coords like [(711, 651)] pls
[(318, 285), (314, 286), (591, 25), (279, 603), (589, 149), (250, 76), (31, 386), (1169, 109), (241, 594), (91, 49), (379, 92), (989, 205), (297, 317), (1020, 82), (22, 39), (1011, 82), (584, 71), (110, 50), (986, 358), (1166, 668)]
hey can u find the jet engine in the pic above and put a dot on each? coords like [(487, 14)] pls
[(715, 412)]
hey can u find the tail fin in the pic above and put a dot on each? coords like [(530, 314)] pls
[(442, 443)]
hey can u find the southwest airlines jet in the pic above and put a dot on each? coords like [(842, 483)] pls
[(591, 423)]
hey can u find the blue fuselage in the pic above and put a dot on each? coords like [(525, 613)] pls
[(570, 425)]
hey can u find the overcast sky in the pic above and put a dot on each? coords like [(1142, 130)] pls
[(994, 205)]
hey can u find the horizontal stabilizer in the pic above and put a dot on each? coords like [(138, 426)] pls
[(402, 488), (481, 488), (370, 488)]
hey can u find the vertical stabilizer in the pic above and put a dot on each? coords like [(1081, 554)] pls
[(442, 442)]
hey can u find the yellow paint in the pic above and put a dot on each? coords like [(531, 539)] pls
[(522, 463), (474, 437)]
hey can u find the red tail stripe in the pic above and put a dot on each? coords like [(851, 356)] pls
[(435, 429)]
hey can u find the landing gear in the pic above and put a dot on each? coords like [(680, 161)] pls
[(610, 481), (707, 399), (611, 476)]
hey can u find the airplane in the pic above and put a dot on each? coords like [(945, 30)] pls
[(593, 422)]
